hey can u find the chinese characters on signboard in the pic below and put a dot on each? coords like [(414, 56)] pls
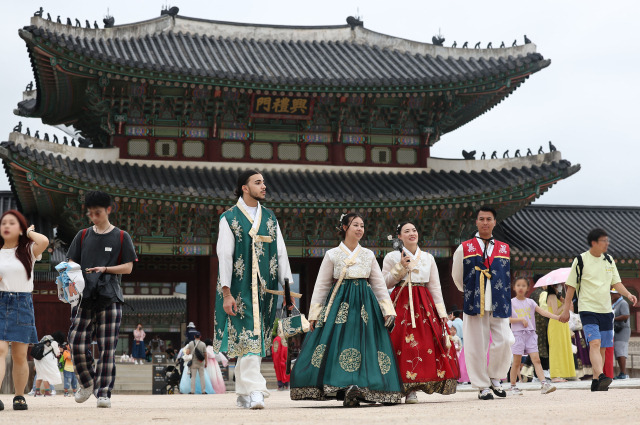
[(281, 107)]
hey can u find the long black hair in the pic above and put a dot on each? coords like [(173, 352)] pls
[(243, 179), (346, 220)]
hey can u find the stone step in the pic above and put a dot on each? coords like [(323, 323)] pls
[(137, 379)]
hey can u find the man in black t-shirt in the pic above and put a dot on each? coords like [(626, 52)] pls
[(102, 248)]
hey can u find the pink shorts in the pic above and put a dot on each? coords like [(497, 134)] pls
[(526, 342)]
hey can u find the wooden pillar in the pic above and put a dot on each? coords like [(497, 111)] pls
[(209, 307), (450, 293), (308, 269), (201, 292), (192, 299)]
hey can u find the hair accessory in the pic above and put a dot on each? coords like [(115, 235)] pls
[(342, 217), (389, 237)]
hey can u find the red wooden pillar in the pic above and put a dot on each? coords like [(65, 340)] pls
[(201, 292), (450, 293), (210, 302), (308, 269)]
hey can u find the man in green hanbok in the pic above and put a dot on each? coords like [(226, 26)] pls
[(252, 260)]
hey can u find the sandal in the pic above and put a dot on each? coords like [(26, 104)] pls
[(19, 403)]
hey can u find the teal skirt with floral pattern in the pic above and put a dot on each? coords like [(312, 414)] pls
[(352, 347)]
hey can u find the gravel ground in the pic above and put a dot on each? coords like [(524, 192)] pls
[(617, 406)]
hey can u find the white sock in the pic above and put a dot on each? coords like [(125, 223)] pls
[(496, 383)]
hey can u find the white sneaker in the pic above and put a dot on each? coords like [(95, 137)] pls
[(547, 388), (135, 362), (32, 392), (412, 398), (515, 391), (257, 400), (53, 392), (243, 401), (83, 394), (104, 402)]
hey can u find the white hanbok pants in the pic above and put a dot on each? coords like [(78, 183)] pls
[(248, 376), (476, 331)]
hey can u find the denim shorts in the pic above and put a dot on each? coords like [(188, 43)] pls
[(598, 326), (17, 322)]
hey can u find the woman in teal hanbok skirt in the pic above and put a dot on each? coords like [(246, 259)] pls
[(349, 355)]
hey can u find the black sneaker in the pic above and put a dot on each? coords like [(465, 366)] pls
[(1, 405), (498, 391), (594, 385), (485, 394), (603, 382)]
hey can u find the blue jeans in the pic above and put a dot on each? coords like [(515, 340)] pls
[(70, 380)]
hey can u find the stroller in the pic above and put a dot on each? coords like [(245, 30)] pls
[(173, 376)]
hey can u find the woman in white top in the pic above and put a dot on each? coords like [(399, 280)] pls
[(349, 355), (21, 246), (420, 336), (47, 370)]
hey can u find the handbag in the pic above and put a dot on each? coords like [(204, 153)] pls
[(197, 352), (575, 324), (293, 325), (618, 326), (446, 338)]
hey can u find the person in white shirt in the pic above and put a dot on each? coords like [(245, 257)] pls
[(21, 247), (252, 261), (481, 270)]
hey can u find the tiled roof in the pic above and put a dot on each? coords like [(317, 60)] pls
[(329, 56), (298, 186), (155, 306), (561, 230)]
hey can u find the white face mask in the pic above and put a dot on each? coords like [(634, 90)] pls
[(558, 288)]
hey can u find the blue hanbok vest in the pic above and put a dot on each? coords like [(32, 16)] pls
[(495, 267)]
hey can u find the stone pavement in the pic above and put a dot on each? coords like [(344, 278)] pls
[(619, 405), (569, 385)]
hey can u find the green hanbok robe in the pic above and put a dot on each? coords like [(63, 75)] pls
[(254, 279)]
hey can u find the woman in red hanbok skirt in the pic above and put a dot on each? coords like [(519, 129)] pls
[(279, 353), (427, 360)]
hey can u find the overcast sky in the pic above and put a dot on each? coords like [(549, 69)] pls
[(585, 102)]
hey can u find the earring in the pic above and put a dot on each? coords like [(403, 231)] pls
[(20, 233)]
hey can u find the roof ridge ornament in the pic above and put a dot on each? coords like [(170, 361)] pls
[(171, 11), (354, 22), (109, 21), (438, 39)]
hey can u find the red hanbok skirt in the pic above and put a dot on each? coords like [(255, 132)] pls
[(424, 361), (279, 355)]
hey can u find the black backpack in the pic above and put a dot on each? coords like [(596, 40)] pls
[(37, 351)]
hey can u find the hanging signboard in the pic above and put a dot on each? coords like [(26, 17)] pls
[(285, 107)]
